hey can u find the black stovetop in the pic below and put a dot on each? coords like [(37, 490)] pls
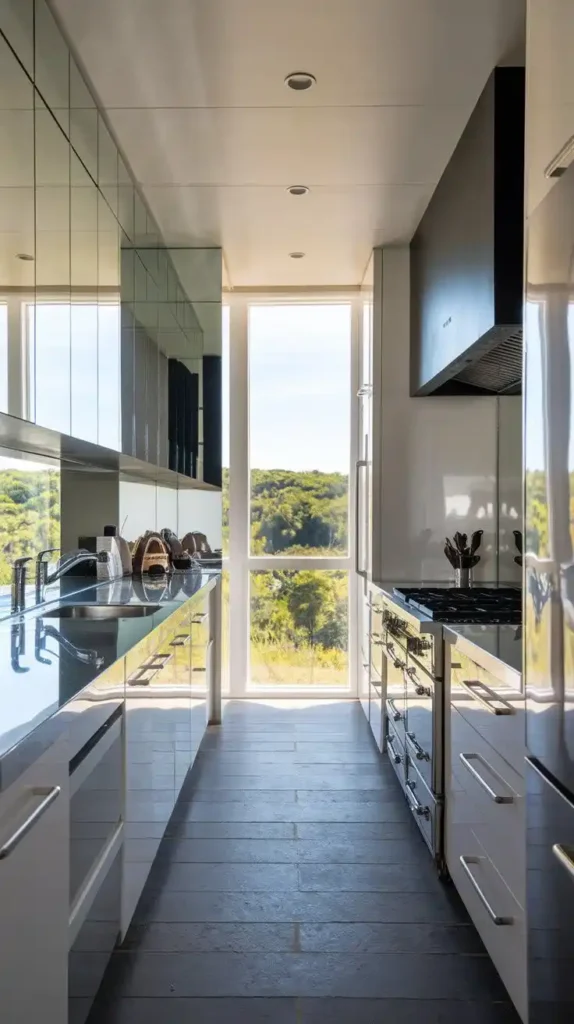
[(499, 605)]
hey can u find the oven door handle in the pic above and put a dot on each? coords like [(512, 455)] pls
[(419, 809), (410, 677), (391, 743), (420, 753), (395, 713)]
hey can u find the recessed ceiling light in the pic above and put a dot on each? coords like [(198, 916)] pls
[(298, 190), (300, 81), (296, 255), (25, 256)]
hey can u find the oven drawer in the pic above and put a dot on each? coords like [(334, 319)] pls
[(425, 809), (487, 795), (499, 919), (490, 707), (423, 723)]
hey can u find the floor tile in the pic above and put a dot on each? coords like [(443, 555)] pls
[(223, 877), (233, 829), (195, 1011), (362, 851), (190, 937), (369, 878), (259, 810), (389, 938), (358, 975), (231, 851), (402, 1011), (314, 907)]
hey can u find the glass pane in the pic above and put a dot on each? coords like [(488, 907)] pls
[(299, 628), (3, 357), (299, 397), (49, 352), (225, 428)]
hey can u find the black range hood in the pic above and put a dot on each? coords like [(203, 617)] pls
[(467, 256)]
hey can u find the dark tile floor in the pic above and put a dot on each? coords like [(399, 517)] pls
[(294, 888)]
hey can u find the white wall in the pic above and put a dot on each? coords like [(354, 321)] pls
[(439, 455), (510, 489)]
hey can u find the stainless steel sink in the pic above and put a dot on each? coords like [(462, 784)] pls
[(101, 611)]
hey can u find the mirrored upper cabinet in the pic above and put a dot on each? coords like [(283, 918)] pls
[(104, 332), (17, 24)]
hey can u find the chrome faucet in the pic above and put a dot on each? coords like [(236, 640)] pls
[(19, 584), (66, 562)]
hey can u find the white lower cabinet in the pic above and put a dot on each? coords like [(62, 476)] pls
[(485, 845), (34, 880)]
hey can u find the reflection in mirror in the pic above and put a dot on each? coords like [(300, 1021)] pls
[(84, 306), (126, 193), (17, 244), (107, 165), (29, 511), (83, 121), (109, 356), (52, 64), (127, 348), (17, 24), (48, 323)]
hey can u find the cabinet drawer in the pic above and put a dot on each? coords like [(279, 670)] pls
[(498, 918), (491, 707), (487, 795)]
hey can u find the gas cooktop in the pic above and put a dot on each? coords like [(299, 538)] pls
[(498, 605)]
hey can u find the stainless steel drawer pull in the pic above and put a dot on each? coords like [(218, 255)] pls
[(466, 759), (49, 795), (391, 743), (181, 640), (396, 715), (466, 864), (416, 806), (199, 618), (565, 854), (420, 753), (471, 686)]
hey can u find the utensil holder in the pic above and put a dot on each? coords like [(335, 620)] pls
[(463, 578)]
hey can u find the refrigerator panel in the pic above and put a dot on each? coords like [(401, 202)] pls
[(550, 900), (549, 483)]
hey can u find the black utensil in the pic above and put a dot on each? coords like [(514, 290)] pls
[(518, 540), (451, 546), (475, 541), (451, 555)]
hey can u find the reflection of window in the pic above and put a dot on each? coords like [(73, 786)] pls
[(299, 628), (3, 357), (48, 327), (74, 369)]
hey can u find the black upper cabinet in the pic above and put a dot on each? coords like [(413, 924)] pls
[(467, 255)]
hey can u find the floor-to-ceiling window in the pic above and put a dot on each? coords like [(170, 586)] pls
[(291, 513)]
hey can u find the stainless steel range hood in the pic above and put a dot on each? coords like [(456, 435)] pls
[(467, 256), (491, 367)]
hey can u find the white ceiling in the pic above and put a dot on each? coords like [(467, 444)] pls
[(195, 93)]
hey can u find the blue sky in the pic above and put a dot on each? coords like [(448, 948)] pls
[(299, 375)]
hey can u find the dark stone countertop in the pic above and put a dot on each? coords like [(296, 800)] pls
[(46, 661)]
